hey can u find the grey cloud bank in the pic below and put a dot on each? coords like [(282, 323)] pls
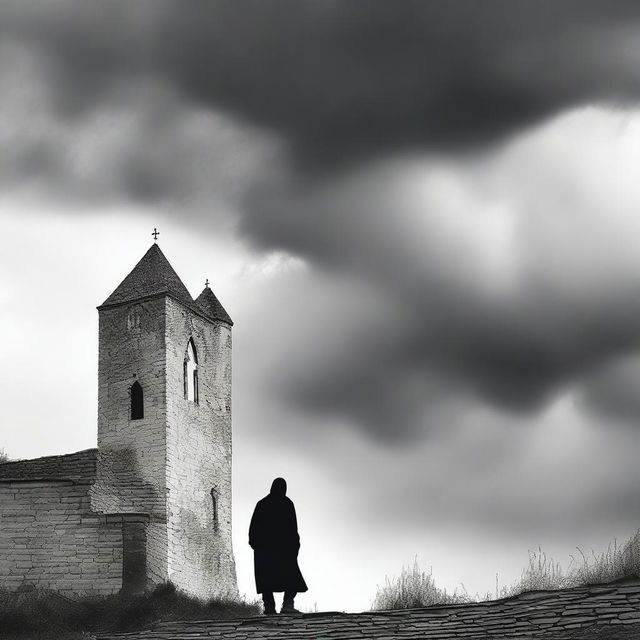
[(339, 81), (342, 77), (505, 277), (459, 257)]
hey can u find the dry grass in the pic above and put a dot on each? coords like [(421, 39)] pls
[(416, 588), (616, 563), (47, 615), (613, 564)]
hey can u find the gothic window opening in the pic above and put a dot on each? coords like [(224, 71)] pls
[(137, 401), (190, 372), (214, 501)]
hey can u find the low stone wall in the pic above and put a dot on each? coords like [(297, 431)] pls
[(50, 539), (608, 612)]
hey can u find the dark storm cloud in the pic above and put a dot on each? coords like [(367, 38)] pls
[(423, 367), (350, 78), (137, 101), (339, 82), (448, 282), (346, 78)]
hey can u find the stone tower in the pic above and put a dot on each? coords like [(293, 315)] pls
[(164, 430)]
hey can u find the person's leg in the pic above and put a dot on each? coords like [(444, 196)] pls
[(269, 603), (287, 602)]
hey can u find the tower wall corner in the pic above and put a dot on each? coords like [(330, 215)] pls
[(200, 553)]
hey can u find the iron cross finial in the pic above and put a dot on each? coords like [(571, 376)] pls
[(206, 284), (155, 234)]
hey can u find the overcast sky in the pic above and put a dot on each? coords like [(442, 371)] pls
[(424, 219)]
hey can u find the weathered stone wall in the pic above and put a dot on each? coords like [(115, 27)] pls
[(199, 457), (131, 468), (50, 539)]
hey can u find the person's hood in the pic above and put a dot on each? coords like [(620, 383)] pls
[(279, 487)]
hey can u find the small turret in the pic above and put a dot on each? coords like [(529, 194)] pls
[(208, 302)]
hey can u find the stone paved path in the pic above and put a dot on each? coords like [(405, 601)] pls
[(604, 612)]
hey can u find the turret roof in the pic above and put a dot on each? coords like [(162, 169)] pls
[(152, 276), (211, 306)]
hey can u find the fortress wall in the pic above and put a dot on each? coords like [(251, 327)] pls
[(50, 539), (199, 457)]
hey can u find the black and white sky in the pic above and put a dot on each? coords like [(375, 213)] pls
[(424, 218)]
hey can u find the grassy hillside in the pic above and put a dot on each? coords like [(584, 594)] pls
[(416, 588), (45, 615)]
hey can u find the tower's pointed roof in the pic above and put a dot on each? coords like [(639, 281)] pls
[(152, 276), (211, 306)]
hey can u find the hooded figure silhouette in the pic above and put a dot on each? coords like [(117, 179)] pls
[(273, 536)]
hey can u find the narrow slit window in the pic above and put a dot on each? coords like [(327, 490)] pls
[(190, 372), (137, 401), (185, 373), (214, 504)]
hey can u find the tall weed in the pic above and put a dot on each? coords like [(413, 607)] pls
[(414, 588)]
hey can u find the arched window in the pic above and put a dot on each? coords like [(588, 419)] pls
[(137, 401), (190, 368)]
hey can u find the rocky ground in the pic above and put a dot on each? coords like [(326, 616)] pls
[(602, 612)]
